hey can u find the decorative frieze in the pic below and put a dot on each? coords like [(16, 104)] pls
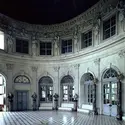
[(85, 19)]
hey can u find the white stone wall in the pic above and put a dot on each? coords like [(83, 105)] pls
[(95, 59)]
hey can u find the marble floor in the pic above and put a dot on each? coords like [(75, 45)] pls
[(55, 118)]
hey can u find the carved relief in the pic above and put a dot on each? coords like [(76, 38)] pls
[(10, 43), (34, 46), (121, 53), (56, 44), (121, 8), (75, 37)]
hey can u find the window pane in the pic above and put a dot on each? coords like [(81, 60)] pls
[(45, 48), (1, 89), (1, 99), (109, 27), (22, 46), (1, 40), (66, 46), (86, 39), (1, 80)]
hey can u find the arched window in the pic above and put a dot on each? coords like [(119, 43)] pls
[(22, 79), (1, 40), (2, 90), (46, 89), (67, 84), (110, 73), (87, 80)]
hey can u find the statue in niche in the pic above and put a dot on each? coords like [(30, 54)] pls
[(34, 46), (97, 27), (121, 8), (56, 45), (75, 37), (10, 43)]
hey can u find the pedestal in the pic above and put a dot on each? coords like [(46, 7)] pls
[(34, 106), (75, 105), (10, 108), (55, 104)]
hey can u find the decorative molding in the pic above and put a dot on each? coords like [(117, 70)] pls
[(9, 66), (48, 31), (97, 61)]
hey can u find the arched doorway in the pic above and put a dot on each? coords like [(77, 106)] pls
[(67, 89), (46, 89), (22, 95), (86, 89), (110, 86), (2, 93)]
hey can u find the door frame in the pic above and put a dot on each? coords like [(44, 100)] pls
[(17, 98), (104, 81)]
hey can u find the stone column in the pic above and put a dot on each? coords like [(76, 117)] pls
[(9, 84), (57, 85), (119, 97), (98, 86), (94, 97), (34, 85)]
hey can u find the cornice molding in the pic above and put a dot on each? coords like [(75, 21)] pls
[(85, 19)]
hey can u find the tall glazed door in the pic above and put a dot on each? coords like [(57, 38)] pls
[(110, 99), (22, 97)]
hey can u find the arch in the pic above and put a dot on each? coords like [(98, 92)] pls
[(86, 88), (2, 73), (45, 89), (22, 79), (44, 75), (22, 73), (87, 77), (67, 79), (107, 68), (45, 80), (67, 88), (3, 91), (108, 73)]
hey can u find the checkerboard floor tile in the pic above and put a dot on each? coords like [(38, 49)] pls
[(55, 118)]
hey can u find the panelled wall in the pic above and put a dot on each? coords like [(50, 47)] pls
[(73, 49)]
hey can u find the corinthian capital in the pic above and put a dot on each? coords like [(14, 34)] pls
[(34, 68), (9, 66)]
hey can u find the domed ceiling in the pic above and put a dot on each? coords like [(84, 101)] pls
[(44, 11)]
